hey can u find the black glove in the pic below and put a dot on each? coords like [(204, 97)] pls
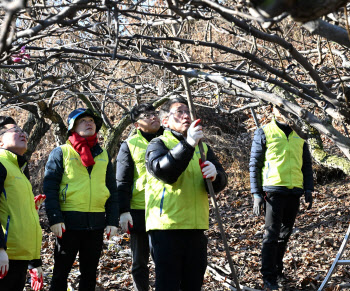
[(308, 198), (258, 202)]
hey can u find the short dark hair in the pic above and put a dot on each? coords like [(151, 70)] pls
[(4, 120), (137, 110), (167, 105)]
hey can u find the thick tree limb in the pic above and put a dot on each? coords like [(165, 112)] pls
[(10, 8), (299, 10), (323, 158), (341, 141), (328, 31), (273, 38)]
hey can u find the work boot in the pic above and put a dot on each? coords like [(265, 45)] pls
[(270, 285)]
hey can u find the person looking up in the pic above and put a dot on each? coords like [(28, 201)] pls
[(177, 207), (131, 182), (20, 231), (81, 200)]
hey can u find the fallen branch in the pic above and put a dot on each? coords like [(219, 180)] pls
[(224, 280)]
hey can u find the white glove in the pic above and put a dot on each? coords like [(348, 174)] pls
[(39, 271), (194, 133), (58, 229), (258, 203), (38, 200), (4, 263), (209, 170), (111, 231), (125, 220)]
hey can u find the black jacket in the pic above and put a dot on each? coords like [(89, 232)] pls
[(257, 159), (167, 165), (125, 181), (73, 219)]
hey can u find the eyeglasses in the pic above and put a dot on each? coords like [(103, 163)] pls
[(179, 113), (17, 130), (149, 115)]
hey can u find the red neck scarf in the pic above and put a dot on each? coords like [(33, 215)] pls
[(83, 145)]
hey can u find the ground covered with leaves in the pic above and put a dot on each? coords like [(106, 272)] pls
[(314, 244)]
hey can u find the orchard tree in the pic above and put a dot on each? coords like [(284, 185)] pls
[(238, 55)]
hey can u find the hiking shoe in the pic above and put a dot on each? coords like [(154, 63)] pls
[(270, 285)]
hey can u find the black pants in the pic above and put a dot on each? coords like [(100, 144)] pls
[(89, 245), (280, 214), (140, 255), (16, 276), (180, 258)]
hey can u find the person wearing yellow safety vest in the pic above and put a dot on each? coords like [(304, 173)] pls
[(177, 207), (280, 173), (80, 187), (20, 231), (131, 182)]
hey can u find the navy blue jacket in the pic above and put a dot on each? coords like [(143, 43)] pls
[(76, 220)]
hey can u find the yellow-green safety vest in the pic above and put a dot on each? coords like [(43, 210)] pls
[(18, 216), (181, 205), (137, 146), (283, 158), (79, 190)]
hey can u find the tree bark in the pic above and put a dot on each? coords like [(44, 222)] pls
[(37, 127), (323, 158), (328, 31), (301, 11)]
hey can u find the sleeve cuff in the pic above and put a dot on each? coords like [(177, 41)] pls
[(54, 219), (187, 145), (34, 264)]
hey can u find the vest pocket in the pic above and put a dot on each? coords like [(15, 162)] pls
[(7, 228), (161, 202), (64, 193), (268, 171)]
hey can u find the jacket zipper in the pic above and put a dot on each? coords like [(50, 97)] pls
[(36, 224), (290, 163), (195, 196), (90, 192)]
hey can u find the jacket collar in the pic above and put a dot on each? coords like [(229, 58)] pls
[(178, 135), (146, 135), (21, 161)]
